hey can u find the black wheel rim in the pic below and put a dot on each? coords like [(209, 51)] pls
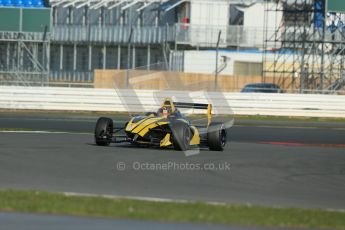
[(106, 134), (186, 136), (100, 135), (109, 131), (222, 137)]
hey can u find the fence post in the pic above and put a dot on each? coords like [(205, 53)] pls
[(217, 53), (128, 57)]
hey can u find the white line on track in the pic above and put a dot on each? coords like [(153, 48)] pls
[(289, 127), (91, 120), (154, 199), (166, 200), (50, 119), (41, 132)]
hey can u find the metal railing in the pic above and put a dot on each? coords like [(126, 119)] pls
[(241, 36), (194, 35), (200, 35), (207, 35), (24, 36), (188, 34), (112, 34), (71, 76), (291, 34)]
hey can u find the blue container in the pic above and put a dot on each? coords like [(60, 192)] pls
[(27, 3), (17, 2), (7, 2), (319, 13), (37, 3)]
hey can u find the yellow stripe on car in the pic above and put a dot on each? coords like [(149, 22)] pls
[(138, 128), (196, 137), (166, 141), (150, 126)]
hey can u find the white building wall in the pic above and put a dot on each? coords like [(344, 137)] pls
[(205, 61), (254, 22), (209, 13), (207, 18), (254, 16)]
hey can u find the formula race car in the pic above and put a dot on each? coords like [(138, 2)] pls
[(164, 128)]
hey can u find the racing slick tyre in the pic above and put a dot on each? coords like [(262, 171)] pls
[(104, 131), (216, 135), (181, 135)]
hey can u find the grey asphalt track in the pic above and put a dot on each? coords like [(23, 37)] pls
[(21, 221), (274, 175), (243, 131)]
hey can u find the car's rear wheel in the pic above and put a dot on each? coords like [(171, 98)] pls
[(181, 135), (217, 136), (104, 131)]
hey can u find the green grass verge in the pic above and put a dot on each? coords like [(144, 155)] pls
[(55, 203)]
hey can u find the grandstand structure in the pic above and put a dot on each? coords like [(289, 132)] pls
[(308, 45), (24, 41), (60, 41), (85, 35)]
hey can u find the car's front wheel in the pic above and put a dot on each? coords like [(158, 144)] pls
[(104, 131), (181, 135)]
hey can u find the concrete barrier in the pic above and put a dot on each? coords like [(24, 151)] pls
[(82, 99)]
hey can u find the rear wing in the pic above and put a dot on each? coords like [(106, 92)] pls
[(190, 105), (170, 103), (186, 105)]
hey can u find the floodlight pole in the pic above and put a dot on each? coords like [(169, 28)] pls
[(217, 53), (128, 57)]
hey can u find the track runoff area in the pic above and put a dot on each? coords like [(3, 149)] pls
[(270, 163)]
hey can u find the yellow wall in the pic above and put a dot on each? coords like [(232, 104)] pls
[(160, 80)]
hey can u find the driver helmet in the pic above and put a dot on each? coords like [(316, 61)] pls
[(164, 111)]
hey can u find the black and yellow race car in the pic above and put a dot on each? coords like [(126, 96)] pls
[(167, 127)]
